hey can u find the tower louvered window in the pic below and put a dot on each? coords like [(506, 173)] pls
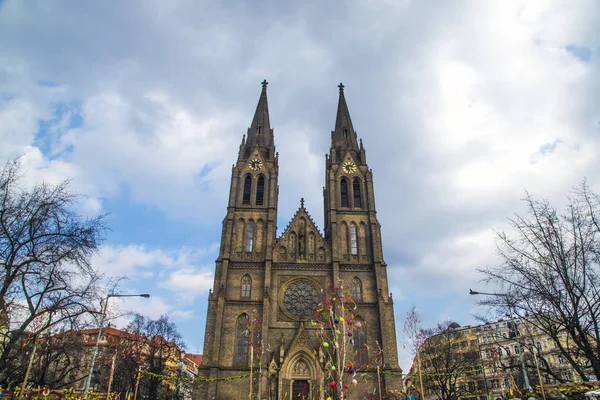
[(260, 190), (356, 190), (247, 189), (250, 237), (353, 240), (344, 192), (356, 289)]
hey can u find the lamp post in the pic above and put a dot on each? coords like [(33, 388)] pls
[(102, 316), (514, 325)]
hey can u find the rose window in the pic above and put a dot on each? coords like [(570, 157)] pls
[(301, 299)]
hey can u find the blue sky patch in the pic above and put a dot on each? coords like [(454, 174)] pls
[(65, 116), (549, 148), (49, 84), (582, 53)]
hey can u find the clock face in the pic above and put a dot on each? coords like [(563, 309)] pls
[(255, 164), (349, 167)]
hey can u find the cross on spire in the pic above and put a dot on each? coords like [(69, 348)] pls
[(264, 84), (302, 202), (341, 87)]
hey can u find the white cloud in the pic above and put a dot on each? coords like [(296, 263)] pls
[(188, 283)]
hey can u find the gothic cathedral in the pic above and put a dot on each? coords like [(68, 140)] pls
[(271, 283)]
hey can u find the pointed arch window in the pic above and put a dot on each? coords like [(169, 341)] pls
[(247, 189), (259, 130), (360, 342), (246, 290), (241, 339), (250, 237), (344, 192), (260, 190), (353, 240), (356, 190), (356, 289)]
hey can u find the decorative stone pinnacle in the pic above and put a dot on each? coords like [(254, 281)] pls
[(264, 84)]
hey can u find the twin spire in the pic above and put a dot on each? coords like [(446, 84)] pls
[(260, 132), (344, 135)]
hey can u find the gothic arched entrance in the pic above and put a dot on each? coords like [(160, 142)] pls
[(301, 390), (299, 377)]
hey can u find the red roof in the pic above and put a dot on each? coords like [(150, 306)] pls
[(195, 358)]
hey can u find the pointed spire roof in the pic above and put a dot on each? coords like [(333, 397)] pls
[(260, 132), (344, 135)]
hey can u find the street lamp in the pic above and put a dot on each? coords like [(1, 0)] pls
[(103, 315), (512, 326)]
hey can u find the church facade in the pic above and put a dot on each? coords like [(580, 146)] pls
[(258, 326)]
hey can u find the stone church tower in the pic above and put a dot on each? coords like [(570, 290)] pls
[(272, 283)]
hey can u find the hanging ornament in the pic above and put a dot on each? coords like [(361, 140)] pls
[(337, 321), (332, 384), (349, 332), (354, 381), (345, 386), (333, 367), (325, 344)]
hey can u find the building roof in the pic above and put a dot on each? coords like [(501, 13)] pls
[(195, 358)]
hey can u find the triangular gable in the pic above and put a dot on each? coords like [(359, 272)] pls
[(348, 159), (301, 241)]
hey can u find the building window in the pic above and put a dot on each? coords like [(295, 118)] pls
[(517, 349), (539, 346), (247, 189), (259, 130), (250, 237), (356, 190), (246, 286), (561, 359), (241, 340), (344, 192), (260, 190), (353, 241), (356, 289), (360, 342)]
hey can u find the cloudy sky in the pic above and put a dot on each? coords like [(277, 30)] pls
[(462, 106)]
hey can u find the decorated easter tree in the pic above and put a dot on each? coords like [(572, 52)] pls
[(254, 334), (334, 320)]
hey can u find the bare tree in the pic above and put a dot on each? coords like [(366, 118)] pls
[(45, 251), (160, 354), (59, 362), (450, 367), (413, 338), (550, 271)]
